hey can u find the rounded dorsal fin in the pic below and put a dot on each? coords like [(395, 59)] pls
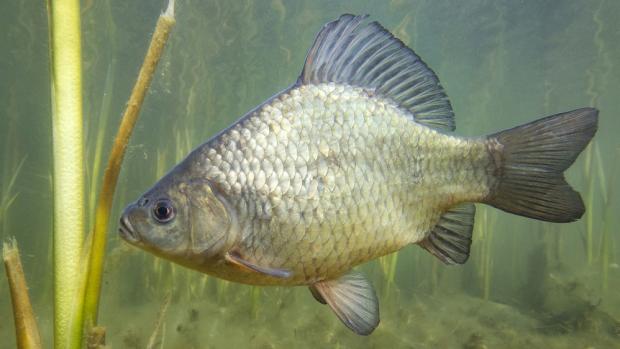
[(351, 51)]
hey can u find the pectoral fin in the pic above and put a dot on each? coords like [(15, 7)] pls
[(317, 295), (236, 259), (353, 300)]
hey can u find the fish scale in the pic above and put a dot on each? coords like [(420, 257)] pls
[(371, 179)]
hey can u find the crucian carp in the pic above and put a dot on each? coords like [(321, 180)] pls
[(355, 160)]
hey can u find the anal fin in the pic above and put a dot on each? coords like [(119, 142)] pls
[(450, 239), (353, 299), (236, 259)]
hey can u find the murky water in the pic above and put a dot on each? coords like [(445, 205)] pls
[(502, 63)]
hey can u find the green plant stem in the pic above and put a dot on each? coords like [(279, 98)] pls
[(589, 204), (104, 204), (391, 261), (157, 337), (68, 175), (101, 130), (607, 220)]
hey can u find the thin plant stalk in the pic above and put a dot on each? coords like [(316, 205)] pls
[(605, 260), (26, 330), (589, 202), (480, 233), (484, 225), (96, 158), (68, 173), (256, 301), (7, 197), (104, 204), (157, 337), (488, 260), (222, 287), (102, 121), (606, 239), (388, 264)]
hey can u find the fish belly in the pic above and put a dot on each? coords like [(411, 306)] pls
[(325, 177)]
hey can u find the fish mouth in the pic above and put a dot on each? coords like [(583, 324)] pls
[(126, 230)]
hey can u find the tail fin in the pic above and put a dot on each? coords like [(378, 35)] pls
[(530, 161)]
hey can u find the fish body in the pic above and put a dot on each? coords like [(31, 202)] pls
[(354, 161), (325, 177)]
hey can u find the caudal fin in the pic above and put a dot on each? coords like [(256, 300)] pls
[(530, 162)]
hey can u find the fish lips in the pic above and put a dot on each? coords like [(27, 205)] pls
[(126, 230)]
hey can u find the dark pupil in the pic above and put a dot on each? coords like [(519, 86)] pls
[(163, 211)]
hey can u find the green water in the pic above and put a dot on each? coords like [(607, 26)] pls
[(503, 63)]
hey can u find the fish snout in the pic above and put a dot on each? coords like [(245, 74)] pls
[(126, 229)]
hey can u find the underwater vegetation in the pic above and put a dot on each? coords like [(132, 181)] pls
[(502, 63), (77, 265)]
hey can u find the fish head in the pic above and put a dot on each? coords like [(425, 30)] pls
[(180, 218)]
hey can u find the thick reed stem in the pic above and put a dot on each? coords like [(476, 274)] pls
[(68, 178), (26, 329), (104, 204)]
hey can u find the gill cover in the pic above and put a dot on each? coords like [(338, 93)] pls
[(212, 222)]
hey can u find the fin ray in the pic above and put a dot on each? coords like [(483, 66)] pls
[(353, 300), (366, 55), (530, 161), (450, 239), (235, 258)]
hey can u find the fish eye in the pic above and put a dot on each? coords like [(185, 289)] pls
[(163, 211)]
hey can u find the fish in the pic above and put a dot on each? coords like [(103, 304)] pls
[(355, 160)]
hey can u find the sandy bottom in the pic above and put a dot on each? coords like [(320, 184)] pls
[(291, 319), (238, 316)]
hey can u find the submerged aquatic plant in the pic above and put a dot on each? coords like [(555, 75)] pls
[(597, 76), (71, 276), (484, 228), (26, 328), (158, 336), (99, 237), (388, 266), (607, 241), (8, 195), (68, 179)]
